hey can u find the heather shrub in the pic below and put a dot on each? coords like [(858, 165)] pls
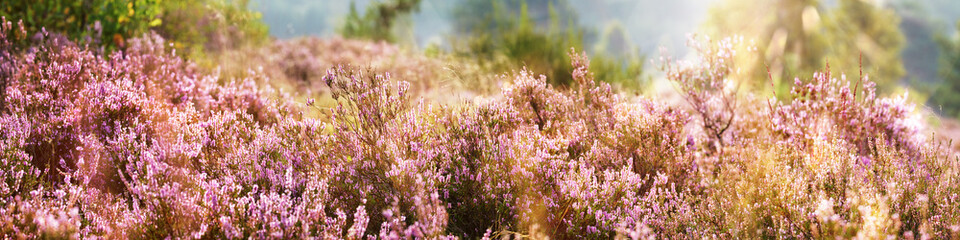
[(574, 163), (297, 67), (835, 161), (707, 87), (387, 151), (122, 135), (142, 143)]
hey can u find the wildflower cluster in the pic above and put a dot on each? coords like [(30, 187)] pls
[(142, 144), (835, 160), (299, 66)]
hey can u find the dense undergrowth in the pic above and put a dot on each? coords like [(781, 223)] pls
[(141, 143)]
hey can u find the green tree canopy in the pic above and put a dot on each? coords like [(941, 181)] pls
[(945, 97), (794, 38), (378, 21)]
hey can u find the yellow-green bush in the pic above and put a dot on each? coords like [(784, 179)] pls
[(109, 22), (192, 25), (377, 23), (211, 25), (495, 32)]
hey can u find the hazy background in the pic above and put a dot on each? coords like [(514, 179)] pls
[(648, 24)]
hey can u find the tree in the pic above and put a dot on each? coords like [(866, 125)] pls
[(537, 34), (377, 23), (90, 21), (946, 98), (859, 26), (795, 38)]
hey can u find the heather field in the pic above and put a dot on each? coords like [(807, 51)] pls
[(149, 119)]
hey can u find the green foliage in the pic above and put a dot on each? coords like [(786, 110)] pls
[(921, 53), (496, 32), (472, 16), (625, 72), (378, 21), (799, 37), (190, 25), (112, 20), (945, 97), (211, 25), (863, 27), (617, 61)]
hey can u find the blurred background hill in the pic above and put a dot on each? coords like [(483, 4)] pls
[(901, 40), (647, 24)]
